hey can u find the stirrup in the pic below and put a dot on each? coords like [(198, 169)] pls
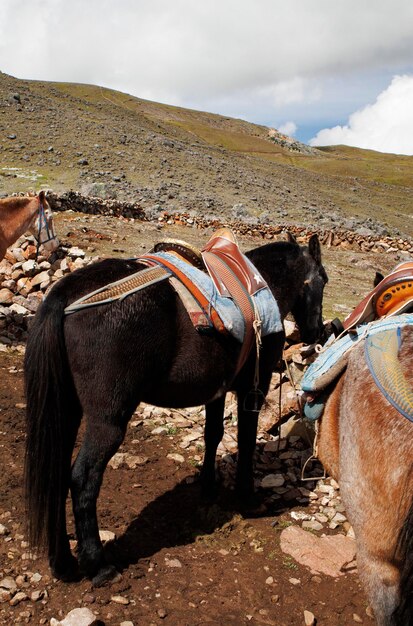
[(252, 401)]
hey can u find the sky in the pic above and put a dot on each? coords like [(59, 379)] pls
[(323, 71)]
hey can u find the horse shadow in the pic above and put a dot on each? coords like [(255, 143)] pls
[(180, 516)]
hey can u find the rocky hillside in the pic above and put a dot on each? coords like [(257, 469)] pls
[(105, 143)]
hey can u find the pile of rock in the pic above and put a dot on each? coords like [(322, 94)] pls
[(74, 201), (337, 237), (285, 141), (24, 280)]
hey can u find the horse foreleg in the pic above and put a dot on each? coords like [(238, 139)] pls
[(214, 431), (101, 441)]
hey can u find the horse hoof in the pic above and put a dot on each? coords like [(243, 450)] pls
[(107, 574), (254, 510), (209, 493), (250, 505), (68, 572)]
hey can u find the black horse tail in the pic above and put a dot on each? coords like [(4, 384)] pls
[(403, 615), (53, 417)]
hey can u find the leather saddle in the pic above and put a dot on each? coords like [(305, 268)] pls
[(232, 273), (393, 295), (222, 245)]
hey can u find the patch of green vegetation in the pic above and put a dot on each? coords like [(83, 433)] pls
[(195, 463), (289, 563), (359, 164), (272, 555), (229, 139), (171, 429), (282, 524)]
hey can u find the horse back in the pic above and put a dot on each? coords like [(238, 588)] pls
[(144, 344)]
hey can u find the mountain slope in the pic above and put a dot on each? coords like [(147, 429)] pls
[(88, 138)]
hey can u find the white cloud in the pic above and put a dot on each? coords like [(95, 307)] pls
[(386, 125), (289, 128)]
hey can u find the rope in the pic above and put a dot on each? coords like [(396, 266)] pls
[(312, 456), (314, 443)]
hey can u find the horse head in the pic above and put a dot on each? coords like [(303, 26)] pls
[(42, 227), (307, 308)]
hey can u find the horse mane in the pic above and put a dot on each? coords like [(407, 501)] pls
[(15, 202)]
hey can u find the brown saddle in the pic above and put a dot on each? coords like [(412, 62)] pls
[(222, 253), (232, 273), (223, 245), (393, 295)]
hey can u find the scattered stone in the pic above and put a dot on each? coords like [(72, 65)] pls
[(36, 596), (106, 535), (311, 525), (6, 296), (309, 619), (20, 596), (89, 598), (159, 430), (294, 581), (325, 555), (5, 595), (77, 617), (120, 600), (178, 458), (162, 613), (172, 562), (357, 618), (3, 529), (129, 460), (272, 480), (9, 584)]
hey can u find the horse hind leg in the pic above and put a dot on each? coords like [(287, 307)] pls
[(382, 581), (102, 439), (63, 564), (214, 431)]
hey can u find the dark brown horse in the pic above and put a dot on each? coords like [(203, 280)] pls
[(367, 445), (29, 213), (103, 361)]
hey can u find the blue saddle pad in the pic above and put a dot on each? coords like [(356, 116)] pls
[(226, 308), (333, 358)]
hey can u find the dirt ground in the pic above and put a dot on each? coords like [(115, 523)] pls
[(182, 563)]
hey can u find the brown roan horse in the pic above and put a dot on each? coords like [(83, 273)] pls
[(19, 214), (367, 445)]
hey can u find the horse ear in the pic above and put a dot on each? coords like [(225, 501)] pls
[(42, 195), (314, 249), (290, 237), (378, 278)]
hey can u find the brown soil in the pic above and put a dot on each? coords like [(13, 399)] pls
[(223, 560)]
